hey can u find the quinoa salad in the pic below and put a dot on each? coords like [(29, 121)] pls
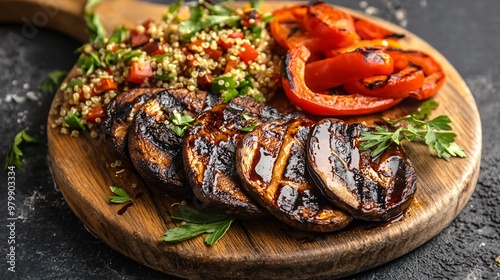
[(215, 48)]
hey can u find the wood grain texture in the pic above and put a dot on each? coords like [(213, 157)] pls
[(262, 248)]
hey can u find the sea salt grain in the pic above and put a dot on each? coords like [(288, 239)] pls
[(32, 96)]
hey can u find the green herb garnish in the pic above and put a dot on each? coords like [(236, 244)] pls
[(181, 123), (250, 127), (434, 133), (53, 81), (74, 123), (207, 15), (73, 83), (95, 29), (197, 223), (14, 154), (88, 62), (173, 9), (118, 35), (121, 196)]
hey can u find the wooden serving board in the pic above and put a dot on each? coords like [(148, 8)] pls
[(262, 248)]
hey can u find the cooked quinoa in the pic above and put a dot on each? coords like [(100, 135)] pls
[(232, 58)]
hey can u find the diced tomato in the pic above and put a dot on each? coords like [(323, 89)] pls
[(204, 81), (96, 112), (229, 42), (105, 85), (138, 39), (140, 71), (215, 54), (152, 49), (250, 17), (248, 53), (231, 64)]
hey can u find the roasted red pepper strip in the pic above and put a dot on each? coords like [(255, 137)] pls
[(346, 67), (287, 29), (398, 85), (434, 74), (382, 43), (334, 26), (404, 83), (323, 104), (368, 30)]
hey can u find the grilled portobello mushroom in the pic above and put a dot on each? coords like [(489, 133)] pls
[(120, 112), (377, 189), (209, 155), (154, 148), (271, 162)]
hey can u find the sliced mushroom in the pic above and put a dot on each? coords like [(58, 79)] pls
[(119, 115), (370, 189), (154, 147), (209, 155), (271, 161)]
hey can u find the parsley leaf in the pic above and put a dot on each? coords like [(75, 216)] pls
[(14, 154), (173, 9), (121, 196), (94, 27), (435, 133), (53, 81), (74, 123), (213, 223), (181, 123)]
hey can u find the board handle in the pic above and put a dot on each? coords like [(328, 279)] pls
[(66, 16)]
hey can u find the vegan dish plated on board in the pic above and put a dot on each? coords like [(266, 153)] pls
[(243, 111)]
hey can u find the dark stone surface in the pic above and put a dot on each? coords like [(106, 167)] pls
[(51, 243)]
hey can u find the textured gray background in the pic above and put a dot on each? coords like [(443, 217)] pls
[(53, 244)]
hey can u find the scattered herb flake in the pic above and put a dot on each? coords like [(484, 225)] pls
[(181, 123), (121, 196), (53, 81), (197, 223), (14, 154), (74, 123)]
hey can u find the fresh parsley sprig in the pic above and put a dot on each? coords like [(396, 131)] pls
[(251, 126), (53, 81), (121, 196), (95, 29), (435, 133), (197, 223), (14, 154), (181, 123)]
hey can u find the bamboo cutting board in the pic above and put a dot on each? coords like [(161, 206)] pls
[(262, 248)]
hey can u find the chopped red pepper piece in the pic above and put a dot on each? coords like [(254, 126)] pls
[(96, 112), (138, 39), (215, 54), (104, 85), (225, 44), (248, 53), (324, 104), (140, 71)]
